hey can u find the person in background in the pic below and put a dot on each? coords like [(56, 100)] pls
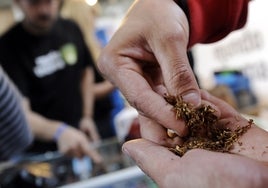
[(84, 15), (146, 58), (15, 133), (108, 101), (47, 59)]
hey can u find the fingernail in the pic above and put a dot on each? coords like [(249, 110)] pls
[(192, 98), (125, 150)]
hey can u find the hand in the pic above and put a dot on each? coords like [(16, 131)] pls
[(88, 126), (253, 144), (197, 168), (74, 143), (254, 141), (146, 58)]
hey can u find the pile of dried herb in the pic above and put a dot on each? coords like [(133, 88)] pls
[(204, 131)]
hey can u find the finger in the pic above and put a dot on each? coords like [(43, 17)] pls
[(216, 109), (179, 77), (229, 117), (224, 107), (92, 153), (93, 133), (153, 159), (139, 93), (89, 129), (157, 133), (95, 136), (171, 52), (72, 151)]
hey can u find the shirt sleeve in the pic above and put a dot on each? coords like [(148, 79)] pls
[(211, 20), (14, 131)]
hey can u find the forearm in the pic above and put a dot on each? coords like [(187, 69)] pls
[(87, 88), (102, 89), (211, 20), (87, 124), (42, 128)]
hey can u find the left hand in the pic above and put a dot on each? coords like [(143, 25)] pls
[(197, 168), (254, 141), (74, 143), (87, 125)]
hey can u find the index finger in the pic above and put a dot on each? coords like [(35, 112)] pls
[(178, 75), (149, 103), (92, 153), (169, 46)]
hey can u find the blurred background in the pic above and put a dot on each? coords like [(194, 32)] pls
[(234, 69)]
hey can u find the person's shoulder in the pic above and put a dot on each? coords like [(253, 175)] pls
[(11, 34), (71, 26), (66, 22)]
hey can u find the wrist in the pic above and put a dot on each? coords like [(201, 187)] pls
[(87, 115), (85, 119), (59, 131)]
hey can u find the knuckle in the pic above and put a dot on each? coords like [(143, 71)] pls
[(103, 61), (183, 77), (140, 102), (175, 36)]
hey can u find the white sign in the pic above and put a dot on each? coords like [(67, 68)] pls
[(245, 50)]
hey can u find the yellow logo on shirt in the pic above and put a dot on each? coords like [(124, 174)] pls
[(69, 53)]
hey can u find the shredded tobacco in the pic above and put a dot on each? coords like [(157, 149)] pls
[(204, 130)]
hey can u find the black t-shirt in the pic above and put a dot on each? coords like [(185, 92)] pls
[(48, 69), (102, 111), (103, 106)]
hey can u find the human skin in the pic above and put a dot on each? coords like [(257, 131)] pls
[(147, 59), (253, 143), (39, 15), (245, 165), (39, 18), (197, 168)]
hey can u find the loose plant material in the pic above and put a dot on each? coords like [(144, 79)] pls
[(204, 130)]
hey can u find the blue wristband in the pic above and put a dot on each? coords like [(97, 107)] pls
[(59, 131)]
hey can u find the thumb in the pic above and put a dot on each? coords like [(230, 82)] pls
[(150, 157)]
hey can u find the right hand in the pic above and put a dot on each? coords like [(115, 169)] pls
[(146, 58), (74, 143), (88, 126)]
